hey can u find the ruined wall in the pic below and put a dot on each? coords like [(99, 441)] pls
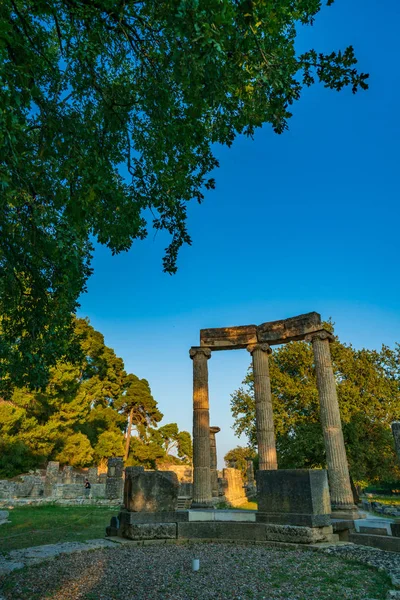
[(58, 484), (185, 478), (232, 486)]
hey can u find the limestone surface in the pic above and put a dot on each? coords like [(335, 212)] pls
[(150, 531), (151, 491)]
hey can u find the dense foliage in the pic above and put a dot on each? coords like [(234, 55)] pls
[(81, 417), (108, 113), (368, 383), (238, 457)]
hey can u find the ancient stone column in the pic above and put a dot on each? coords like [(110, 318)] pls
[(338, 470), (396, 436), (213, 461), (201, 428), (264, 415)]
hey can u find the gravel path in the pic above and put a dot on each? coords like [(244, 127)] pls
[(227, 572)]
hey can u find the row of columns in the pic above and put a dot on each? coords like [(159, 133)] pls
[(339, 478)]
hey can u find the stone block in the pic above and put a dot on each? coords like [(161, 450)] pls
[(384, 542), (228, 338), (294, 496), (395, 529), (151, 491), (98, 490), (218, 530), (7, 489), (132, 518), (67, 475), (373, 530), (298, 535), (298, 519), (92, 475), (115, 467), (114, 488), (69, 490), (149, 531), (287, 330), (131, 471)]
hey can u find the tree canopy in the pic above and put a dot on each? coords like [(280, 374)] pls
[(80, 418), (368, 384), (108, 115), (238, 457)]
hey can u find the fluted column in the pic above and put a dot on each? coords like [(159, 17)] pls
[(396, 436), (213, 461), (264, 415), (338, 470), (201, 428)]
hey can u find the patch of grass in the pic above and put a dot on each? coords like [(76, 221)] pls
[(390, 500), (50, 524)]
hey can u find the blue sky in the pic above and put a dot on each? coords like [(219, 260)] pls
[(299, 222)]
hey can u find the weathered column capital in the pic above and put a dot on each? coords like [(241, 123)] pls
[(198, 350), (214, 430), (263, 347), (319, 335)]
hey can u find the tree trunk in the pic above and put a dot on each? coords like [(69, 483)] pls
[(128, 434)]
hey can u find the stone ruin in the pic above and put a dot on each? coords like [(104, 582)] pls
[(293, 505), (65, 485), (258, 341)]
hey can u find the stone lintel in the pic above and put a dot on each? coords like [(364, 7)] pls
[(229, 338), (289, 330), (272, 332)]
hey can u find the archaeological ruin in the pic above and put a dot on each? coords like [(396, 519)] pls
[(258, 341), (294, 506)]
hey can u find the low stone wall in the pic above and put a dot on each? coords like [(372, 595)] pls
[(183, 472), (22, 487), (77, 490), (57, 484)]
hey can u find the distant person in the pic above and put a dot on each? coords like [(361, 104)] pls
[(87, 487)]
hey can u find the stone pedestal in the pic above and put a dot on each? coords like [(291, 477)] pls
[(201, 429), (396, 436), (150, 491), (213, 461), (264, 415), (298, 497), (338, 471)]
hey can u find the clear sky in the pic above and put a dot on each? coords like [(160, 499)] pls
[(305, 221)]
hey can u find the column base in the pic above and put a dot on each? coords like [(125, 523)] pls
[(346, 513)]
